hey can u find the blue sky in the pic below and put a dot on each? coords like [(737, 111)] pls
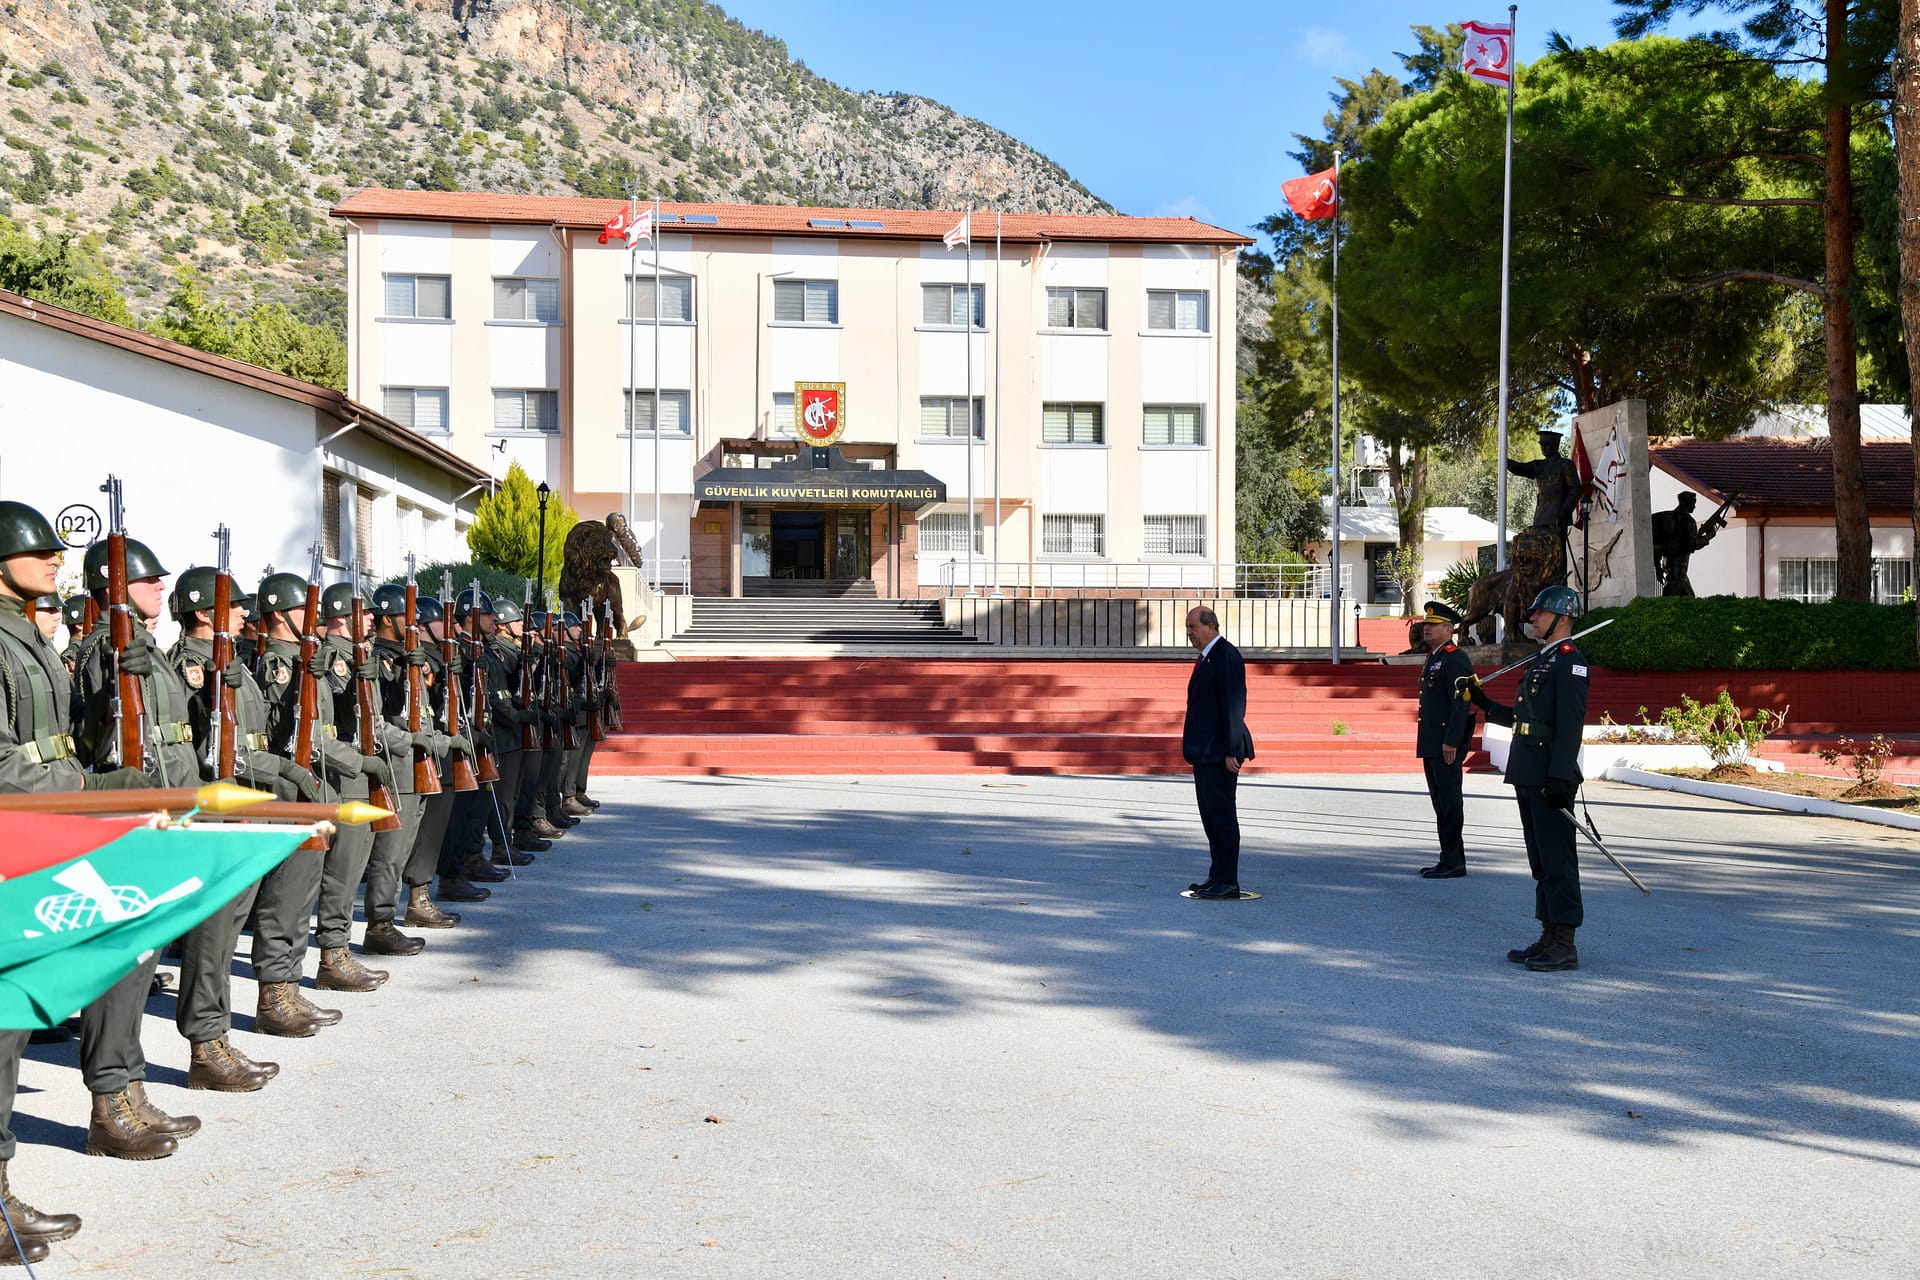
[(1159, 109)]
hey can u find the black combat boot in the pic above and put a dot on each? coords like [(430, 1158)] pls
[(1558, 954), (1520, 955)]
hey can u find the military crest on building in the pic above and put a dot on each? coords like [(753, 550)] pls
[(820, 411)]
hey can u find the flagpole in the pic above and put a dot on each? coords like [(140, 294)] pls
[(1333, 590), (659, 531), (996, 405), (1506, 269), (972, 588), (633, 366)]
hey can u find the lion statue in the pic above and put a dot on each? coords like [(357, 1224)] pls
[(1509, 591), (586, 570)]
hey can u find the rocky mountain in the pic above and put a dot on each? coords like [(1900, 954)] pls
[(216, 133)]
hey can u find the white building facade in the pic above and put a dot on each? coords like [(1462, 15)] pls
[(1096, 363)]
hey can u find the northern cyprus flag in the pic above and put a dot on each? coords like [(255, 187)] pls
[(1488, 52)]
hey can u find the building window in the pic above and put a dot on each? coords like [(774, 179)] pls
[(1174, 424), (526, 298), (946, 304), (674, 416), (419, 297), (1175, 536), (525, 410), (1073, 535), (330, 522), (1177, 310), (1073, 424), (1811, 581), (782, 423), (1076, 308), (945, 533), (674, 303), (1892, 580), (424, 409), (945, 418), (806, 302), (363, 528)]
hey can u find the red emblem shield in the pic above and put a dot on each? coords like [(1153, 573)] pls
[(820, 414)]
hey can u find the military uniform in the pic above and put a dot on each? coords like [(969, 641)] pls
[(513, 841), (1543, 768), (1445, 720), (560, 799)]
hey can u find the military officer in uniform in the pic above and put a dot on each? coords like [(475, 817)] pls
[(36, 755), (1446, 725), (125, 1123), (204, 1011), (573, 773), (343, 770), (543, 766), (1543, 768), (503, 652)]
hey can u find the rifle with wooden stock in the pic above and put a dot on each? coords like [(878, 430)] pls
[(128, 704), (306, 722), (569, 736), (529, 737), (549, 741), (480, 715), (592, 673), (223, 719), (426, 778), (615, 721), (367, 712), (458, 765)]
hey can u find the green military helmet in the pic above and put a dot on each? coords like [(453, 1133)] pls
[(389, 601), (336, 602), (74, 611), (1564, 601), (244, 603), (570, 619), (24, 531), (427, 609), (47, 603), (281, 593), (141, 564), (464, 605), (537, 620), (506, 611), (193, 591)]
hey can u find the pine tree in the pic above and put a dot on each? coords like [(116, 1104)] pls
[(506, 529)]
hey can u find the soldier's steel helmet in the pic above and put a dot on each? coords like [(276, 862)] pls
[(336, 601), (281, 593), (390, 601), (74, 610), (1564, 601), (506, 611), (47, 603), (193, 590), (463, 605), (428, 609), (24, 531), (570, 618), (141, 564), (537, 620), (245, 604)]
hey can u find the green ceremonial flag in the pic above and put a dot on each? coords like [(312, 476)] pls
[(69, 932)]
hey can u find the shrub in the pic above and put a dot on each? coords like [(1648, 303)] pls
[(1720, 727), (1738, 633)]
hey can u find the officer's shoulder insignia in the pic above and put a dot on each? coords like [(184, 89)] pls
[(1566, 646), (194, 675), (1450, 648)]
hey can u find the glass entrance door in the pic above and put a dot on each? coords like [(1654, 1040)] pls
[(799, 544)]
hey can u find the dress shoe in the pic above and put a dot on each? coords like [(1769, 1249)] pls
[(456, 890), (478, 870), (1559, 952), (383, 939), (1442, 872), (1520, 955), (1218, 889), (213, 1065), (156, 1119), (423, 913), (280, 1014), (573, 808), (544, 829), (30, 1224), (323, 1017), (267, 1069), (587, 800), (511, 858), (527, 842), (117, 1130), (341, 970)]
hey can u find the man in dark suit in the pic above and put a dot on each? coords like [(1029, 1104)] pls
[(1446, 723), (1216, 743)]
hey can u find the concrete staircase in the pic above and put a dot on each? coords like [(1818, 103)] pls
[(721, 625)]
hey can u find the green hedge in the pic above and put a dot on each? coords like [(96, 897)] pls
[(1737, 633)]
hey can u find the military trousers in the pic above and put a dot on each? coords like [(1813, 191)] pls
[(546, 799), (110, 1055), (466, 826), (204, 1009), (580, 766), (1552, 858), (425, 858), (532, 765), (340, 871), (1449, 809), (281, 910), (391, 851), (12, 1045), (506, 793)]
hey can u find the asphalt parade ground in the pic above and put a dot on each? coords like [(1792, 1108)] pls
[(796, 1027)]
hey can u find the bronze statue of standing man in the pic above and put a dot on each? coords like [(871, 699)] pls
[(1556, 485)]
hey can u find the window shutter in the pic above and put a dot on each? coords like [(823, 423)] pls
[(933, 304), (432, 300), (673, 412), (1059, 308), (509, 411), (543, 410), (979, 306), (397, 403), (545, 296), (330, 516), (1086, 425), (509, 299), (822, 302), (1154, 424), (789, 301), (363, 528), (1090, 309), (1185, 424), (676, 298), (933, 416), (430, 409), (640, 411), (400, 295), (1159, 309), (1192, 312), (1157, 537), (1056, 424)]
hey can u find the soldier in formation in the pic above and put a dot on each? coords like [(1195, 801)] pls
[(61, 731)]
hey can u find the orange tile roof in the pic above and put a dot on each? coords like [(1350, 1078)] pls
[(782, 220)]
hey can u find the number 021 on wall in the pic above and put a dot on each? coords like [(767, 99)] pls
[(820, 411)]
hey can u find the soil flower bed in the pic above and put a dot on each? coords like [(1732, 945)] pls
[(1888, 796)]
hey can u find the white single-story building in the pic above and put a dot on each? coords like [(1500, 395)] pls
[(199, 440), (1369, 530)]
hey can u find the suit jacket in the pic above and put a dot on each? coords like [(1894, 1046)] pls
[(1216, 725)]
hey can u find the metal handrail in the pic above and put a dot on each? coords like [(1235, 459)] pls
[(1172, 577)]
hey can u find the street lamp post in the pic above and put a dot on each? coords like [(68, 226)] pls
[(541, 552)]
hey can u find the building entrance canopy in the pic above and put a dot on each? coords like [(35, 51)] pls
[(819, 476)]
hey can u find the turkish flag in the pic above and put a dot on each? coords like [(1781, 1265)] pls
[(1313, 196)]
